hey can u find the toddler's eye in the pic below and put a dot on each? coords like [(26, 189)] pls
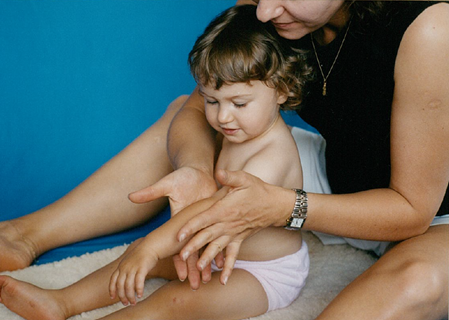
[(239, 105), (211, 102)]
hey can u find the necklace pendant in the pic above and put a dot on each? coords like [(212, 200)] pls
[(324, 88)]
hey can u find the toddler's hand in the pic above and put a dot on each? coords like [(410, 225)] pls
[(128, 280)]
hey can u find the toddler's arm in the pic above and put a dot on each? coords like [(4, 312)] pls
[(129, 277)]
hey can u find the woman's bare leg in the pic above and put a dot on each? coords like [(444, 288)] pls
[(409, 282), (89, 293), (97, 206)]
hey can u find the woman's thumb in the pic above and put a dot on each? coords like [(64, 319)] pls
[(148, 194)]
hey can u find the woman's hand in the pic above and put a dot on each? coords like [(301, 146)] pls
[(183, 187), (249, 206)]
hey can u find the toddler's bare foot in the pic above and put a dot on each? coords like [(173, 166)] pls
[(29, 301), (16, 251)]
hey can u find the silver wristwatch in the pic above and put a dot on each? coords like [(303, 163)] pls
[(299, 213)]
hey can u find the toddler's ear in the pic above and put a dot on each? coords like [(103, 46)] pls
[(282, 97)]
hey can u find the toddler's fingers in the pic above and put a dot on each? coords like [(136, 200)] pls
[(130, 290), (121, 289), (206, 274), (140, 283), (219, 260), (113, 284), (181, 267)]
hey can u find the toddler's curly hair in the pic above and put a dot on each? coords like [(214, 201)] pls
[(237, 47)]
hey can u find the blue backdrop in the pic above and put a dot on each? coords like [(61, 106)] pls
[(79, 80)]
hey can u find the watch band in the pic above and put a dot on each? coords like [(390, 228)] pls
[(299, 213)]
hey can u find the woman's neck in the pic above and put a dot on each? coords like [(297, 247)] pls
[(336, 24)]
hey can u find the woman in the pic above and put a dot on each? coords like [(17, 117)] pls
[(398, 204), (391, 176)]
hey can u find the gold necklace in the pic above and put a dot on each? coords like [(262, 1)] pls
[(335, 60)]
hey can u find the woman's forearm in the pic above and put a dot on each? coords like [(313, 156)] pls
[(379, 214), (191, 141)]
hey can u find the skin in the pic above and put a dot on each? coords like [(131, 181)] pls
[(258, 142), (241, 117), (409, 282), (104, 195), (420, 113)]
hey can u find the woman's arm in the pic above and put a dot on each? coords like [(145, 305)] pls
[(191, 147), (420, 161), (419, 149), (189, 131), (191, 150)]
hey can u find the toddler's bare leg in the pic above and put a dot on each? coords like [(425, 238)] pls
[(89, 293), (242, 297), (96, 207)]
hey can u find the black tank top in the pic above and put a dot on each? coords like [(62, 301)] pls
[(354, 117)]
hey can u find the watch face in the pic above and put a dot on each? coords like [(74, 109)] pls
[(295, 224)]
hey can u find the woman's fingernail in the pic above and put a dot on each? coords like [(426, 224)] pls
[(182, 237), (225, 280)]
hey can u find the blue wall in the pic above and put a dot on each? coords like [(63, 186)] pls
[(79, 80)]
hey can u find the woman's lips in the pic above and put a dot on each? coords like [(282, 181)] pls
[(282, 25)]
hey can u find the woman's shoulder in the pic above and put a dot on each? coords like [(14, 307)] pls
[(430, 30), (433, 20)]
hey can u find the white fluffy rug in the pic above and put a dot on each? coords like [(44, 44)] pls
[(331, 269)]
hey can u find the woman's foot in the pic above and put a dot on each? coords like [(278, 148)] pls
[(16, 251), (29, 301)]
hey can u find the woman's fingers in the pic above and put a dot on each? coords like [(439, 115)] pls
[(230, 201), (205, 219), (232, 251), (212, 250), (208, 235)]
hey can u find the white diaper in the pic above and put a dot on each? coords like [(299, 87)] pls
[(282, 279)]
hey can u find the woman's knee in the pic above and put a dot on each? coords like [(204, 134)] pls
[(420, 285), (424, 280)]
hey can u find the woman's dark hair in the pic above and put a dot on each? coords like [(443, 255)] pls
[(237, 47), (366, 13), (362, 9)]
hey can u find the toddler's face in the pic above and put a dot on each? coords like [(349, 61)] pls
[(242, 111)]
